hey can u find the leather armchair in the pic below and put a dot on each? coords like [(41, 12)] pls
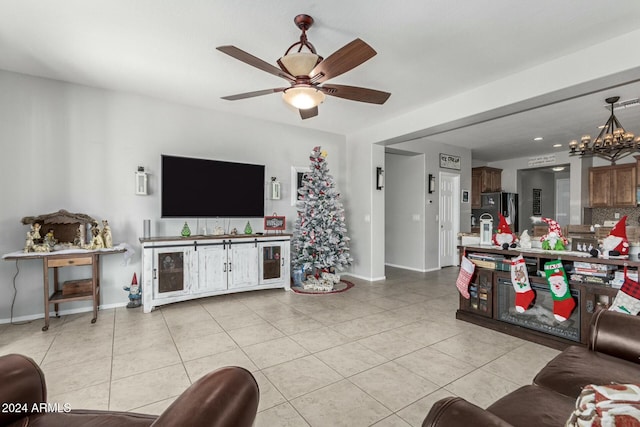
[(227, 397), (612, 356)]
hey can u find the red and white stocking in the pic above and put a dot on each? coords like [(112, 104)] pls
[(628, 297), (520, 281), (464, 277)]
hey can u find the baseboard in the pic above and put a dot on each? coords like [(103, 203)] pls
[(38, 316), (404, 267), (368, 279)]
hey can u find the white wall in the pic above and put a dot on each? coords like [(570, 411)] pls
[(72, 147), (431, 151), (404, 211)]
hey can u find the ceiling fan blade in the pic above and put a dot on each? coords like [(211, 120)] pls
[(342, 60), (252, 94), (355, 93), (247, 58), (308, 113)]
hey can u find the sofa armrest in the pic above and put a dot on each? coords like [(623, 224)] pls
[(457, 412), (21, 385), (616, 334), (226, 397)]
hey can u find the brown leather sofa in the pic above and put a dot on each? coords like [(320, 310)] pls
[(226, 397), (612, 356)]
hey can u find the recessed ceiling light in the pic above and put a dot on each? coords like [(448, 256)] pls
[(558, 168), (557, 145), (538, 138)]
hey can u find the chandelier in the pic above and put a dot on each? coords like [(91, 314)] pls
[(612, 143)]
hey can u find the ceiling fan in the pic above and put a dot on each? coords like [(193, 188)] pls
[(305, 71)]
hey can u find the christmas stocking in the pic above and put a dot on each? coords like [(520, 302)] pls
[(464, 277), (520, 281), (563, 303), (628, 297)]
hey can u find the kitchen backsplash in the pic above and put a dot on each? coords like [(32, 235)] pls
[(600, 215)]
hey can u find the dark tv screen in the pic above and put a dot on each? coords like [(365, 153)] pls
[(201, 188)]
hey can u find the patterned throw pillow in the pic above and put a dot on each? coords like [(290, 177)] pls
[(614, 405)]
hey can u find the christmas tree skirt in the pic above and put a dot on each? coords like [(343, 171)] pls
[(341, 286)]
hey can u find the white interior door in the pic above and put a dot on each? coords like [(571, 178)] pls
[(449, 218)]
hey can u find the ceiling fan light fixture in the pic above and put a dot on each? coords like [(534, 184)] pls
[(299, 63), (303, 98)]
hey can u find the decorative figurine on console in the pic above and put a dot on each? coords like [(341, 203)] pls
[(28, 244), (554, 240), (79, 239), (504, 237), (525, 240), (135, 296), (34, 242), (616, 243), (35, 229), (107, 238), (186, 231), (96, 241), (49, 239)]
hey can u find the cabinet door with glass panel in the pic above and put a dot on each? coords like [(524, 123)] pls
[(171, 272), (273, 262)]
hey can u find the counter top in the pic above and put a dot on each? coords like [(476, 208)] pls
[(541, 253), (212, 237)]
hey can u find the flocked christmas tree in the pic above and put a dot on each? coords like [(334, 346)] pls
[(320, 239)]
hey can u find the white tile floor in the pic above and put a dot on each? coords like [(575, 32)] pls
[(379, 354)]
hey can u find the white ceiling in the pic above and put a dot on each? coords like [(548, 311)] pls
[(427, 51)]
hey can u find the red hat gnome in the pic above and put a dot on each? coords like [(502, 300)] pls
[(503, 235), (617, 238), (554, 239)]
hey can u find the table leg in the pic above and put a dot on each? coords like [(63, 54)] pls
[(95, 283), (46, 294), (55, 289)]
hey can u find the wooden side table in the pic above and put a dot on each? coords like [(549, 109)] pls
[(86, 289), (72, 260)]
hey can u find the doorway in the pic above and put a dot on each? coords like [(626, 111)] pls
[(449, 218), (562, 201)]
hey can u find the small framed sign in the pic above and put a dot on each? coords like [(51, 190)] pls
[(274, 223), (448, 161)]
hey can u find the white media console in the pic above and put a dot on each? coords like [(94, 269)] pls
[(179, 269)]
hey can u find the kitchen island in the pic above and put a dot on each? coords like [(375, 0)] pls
[(491, 302)]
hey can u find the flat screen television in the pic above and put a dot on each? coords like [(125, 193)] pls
[(201, 188)]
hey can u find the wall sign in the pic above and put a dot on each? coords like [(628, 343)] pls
[(274, 223), (548, 159), (447, 161)]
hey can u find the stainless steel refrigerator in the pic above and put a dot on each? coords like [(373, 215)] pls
[(504, 203)]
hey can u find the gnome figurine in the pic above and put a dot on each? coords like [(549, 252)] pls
[(504, 235), (135, 296), (554, 240), (616, 242)]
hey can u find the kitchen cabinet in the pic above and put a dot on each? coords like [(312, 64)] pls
[(484, 180), (612, 186)]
